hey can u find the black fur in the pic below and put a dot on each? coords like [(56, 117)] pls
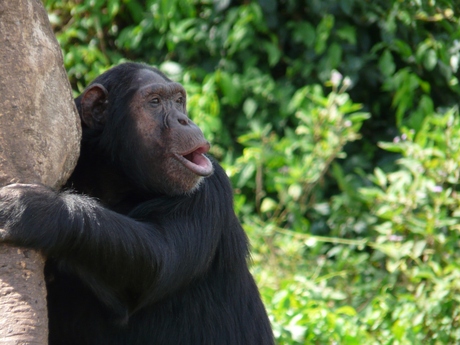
[(147, 268)]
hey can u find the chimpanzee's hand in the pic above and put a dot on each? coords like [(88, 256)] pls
[(21, 206)]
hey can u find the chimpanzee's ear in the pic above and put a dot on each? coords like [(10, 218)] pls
[(93, 105)]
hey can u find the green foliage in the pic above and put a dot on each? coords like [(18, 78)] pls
[(337, 122)]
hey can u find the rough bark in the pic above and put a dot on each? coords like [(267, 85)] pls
[(23, 313), (39, 143)]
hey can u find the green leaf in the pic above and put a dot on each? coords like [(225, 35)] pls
[(392, 147), (430, 59), (334, 54), (274, 53), (347, 32), (268, 204), (295, 191), (346, 310), (322, 33), (386, 63), (250, 107), (381, 177)]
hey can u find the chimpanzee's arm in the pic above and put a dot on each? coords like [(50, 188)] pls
[(175, 241)]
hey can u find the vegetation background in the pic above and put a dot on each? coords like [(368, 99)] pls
[(338, 124)]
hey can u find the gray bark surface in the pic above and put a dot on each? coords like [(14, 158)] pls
[(39, 143)]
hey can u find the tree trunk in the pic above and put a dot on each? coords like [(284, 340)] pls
[(39, 143)]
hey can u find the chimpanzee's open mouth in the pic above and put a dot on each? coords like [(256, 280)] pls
[(196, 161)]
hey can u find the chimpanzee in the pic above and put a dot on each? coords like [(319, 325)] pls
[(143, 246)]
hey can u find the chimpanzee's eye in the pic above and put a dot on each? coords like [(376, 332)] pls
[(155, 100)]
